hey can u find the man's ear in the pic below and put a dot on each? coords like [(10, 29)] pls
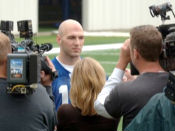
[(58, 38), (136, 54), (42, 74)]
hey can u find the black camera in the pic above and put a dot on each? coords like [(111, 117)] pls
[(167, 57), (161, 10), (6, 27), (25, 29), (23, 72), (170, 88), (26, 61)]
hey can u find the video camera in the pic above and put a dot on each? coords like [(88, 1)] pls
[(170, 88), (26, 61), (167, 57), (161, 10)]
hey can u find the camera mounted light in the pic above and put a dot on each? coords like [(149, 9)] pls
[(161, 10)]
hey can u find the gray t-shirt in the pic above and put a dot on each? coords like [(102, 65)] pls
[(127, 98), (34, 112)]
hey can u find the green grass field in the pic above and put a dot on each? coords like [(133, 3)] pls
[(107, 58), (88, 40)]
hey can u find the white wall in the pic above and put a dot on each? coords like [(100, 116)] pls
[(16, 10), (120, 14)]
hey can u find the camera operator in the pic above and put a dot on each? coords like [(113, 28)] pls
[(158, 114), (32, 112), (126, 99)]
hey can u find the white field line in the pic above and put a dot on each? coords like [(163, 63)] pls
[(99, 53), (101, 33), (108, 62), (90, 48)]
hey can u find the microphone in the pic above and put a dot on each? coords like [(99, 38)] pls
[(46, 47)]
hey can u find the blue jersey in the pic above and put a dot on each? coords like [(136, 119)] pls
[(61, 85)]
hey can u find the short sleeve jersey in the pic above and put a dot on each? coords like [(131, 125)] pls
[(61, 85)]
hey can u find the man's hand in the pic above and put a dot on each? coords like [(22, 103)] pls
[(128, 77), (124, 58), (46, 78), (50, 64)]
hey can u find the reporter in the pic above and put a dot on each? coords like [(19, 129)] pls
[(33, 112), (87, 80)]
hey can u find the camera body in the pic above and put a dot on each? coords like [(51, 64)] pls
[(6, 27), (26, 61), (25, 29), (170, 88), (23, 72), (167, 57), (161, 10)]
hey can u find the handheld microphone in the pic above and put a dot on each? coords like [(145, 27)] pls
[(46, 47)]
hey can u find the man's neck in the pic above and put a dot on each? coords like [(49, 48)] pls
[(3, 73), (149, 67), (67, 60)]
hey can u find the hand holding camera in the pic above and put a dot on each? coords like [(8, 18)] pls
[(124, 58)]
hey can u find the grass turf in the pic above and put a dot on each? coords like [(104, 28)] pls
[(88, 40)]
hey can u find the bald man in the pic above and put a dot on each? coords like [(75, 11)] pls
[(70, 38)]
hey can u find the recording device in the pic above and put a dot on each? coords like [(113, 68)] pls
[(170, 88), (25, 29), (23, 73), (6, 27), (26, 61), (167, 57), (161, 10)]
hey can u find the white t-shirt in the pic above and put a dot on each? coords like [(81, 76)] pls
[(67, 67)]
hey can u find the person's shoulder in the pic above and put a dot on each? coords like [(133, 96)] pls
[(3, 82), (41, 91), (66, 107), (160, 99), (41, 87), (67, 111), (154, 75), (54, 59), (124, 86), (56, 63)]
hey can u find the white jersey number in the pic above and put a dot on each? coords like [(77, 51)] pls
[(64, 91)]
